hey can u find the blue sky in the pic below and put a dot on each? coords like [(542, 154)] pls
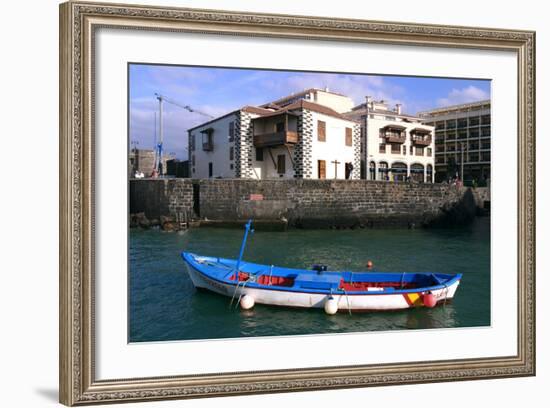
[(217, 91)]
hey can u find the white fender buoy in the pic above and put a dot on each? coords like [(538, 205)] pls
[(331, 306), (247, 302)]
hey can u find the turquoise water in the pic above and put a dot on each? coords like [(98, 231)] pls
[(165, 306)]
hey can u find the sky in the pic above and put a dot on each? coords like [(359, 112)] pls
[(216, 91)]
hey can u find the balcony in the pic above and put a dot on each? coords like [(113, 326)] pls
[(275, 139), (421, 137), (207, 139), (393, 134)]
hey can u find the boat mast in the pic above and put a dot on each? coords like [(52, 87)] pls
[(243, 245)]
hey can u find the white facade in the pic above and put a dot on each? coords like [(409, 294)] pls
[(395, 146), (280, 142), (333, 149), (214, 156)]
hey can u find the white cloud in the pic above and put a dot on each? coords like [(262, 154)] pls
[(464, 95)]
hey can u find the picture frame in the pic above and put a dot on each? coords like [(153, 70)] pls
[(79, 22)]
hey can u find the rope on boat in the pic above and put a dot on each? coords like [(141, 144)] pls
[(241, 295), (402, 279), (446, 294), (235, 292), (347, 300)]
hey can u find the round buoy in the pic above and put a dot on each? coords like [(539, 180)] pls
[(429, 299), (331, 306), (247, 302), (369, 264)]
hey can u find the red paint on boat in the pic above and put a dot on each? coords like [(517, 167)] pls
[(364, 286), (429, 299)]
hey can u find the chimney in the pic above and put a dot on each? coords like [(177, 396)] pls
[(398, 108), (368, 102)]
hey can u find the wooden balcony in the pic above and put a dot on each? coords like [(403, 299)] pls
[(421, 137), (395, 138), (421, 140), (275, 139), (208, 146), (393, 134)]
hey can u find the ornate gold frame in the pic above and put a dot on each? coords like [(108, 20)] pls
[(78, 21)]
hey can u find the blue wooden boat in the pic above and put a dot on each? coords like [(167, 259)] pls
[(249, 283)]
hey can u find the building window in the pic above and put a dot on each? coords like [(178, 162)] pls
[(372, 170), (321, 169), (382, 148), (411, 151), (192, 141), (321, 131), (420, 151), (383, 171), (193, 160), (207, 140), (231, 152), (231, 131), (349, 136), (395, 148), (404, 150), (429, 152), (259, 154), (280, 127), (210, 169), (281, 162), (231, 166)]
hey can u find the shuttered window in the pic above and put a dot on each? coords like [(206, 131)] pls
[(349, 136), (321, 169), (231, 154), (281, 168), (321, 131), (259, 154)]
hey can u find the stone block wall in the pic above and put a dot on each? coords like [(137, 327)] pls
[(336, 203), (161, 197), (306, 203)]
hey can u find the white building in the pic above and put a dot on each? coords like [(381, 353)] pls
[(304, 135), (394, 146)]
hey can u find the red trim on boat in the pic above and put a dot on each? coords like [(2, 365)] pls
[(364, 286), (266, 280)]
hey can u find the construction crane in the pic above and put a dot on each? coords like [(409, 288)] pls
[(162, 99)]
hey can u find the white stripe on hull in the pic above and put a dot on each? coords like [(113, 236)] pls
[(302, 299)]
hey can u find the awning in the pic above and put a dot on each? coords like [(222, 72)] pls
[(420, 130), (397, 127)]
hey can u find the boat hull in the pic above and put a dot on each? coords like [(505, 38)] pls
[(349, 301)]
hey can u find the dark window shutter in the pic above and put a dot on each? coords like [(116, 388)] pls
[(321, 131), (349, 136)]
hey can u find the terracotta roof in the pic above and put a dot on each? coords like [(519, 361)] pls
[(301, 104), (315, 107), (256, 110), (249, 109)]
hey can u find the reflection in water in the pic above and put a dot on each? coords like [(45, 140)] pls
[(164, 305)]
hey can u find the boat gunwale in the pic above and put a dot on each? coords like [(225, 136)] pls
[(455, 278)]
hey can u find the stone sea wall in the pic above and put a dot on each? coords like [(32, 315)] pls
[(305, 203)]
